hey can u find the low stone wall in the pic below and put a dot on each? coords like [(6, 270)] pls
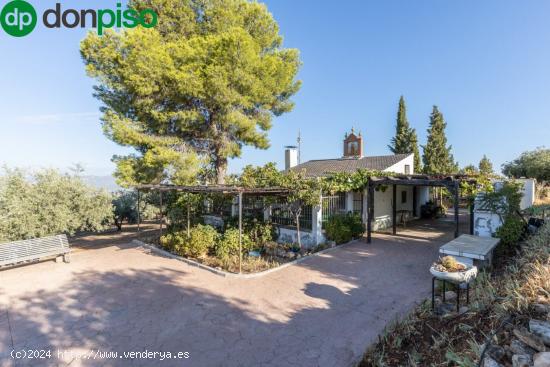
[(290, 235)]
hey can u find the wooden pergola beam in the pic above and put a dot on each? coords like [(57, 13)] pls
[(413, 182), (219, 189)]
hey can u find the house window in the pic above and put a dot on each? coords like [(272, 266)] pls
[(403, 197), (407, 169)]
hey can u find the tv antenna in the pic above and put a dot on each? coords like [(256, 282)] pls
[(299, 141)]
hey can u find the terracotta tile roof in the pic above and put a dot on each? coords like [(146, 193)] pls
[(324, 167)]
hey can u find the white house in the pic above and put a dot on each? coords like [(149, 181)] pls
[(409, 198)]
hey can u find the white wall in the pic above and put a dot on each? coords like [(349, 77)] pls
[(486, 223), (399, 167), (528, 191), (383, 201)]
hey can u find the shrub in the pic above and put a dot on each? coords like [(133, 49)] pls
[(173, 242), (511, 231), (343, 228), (261, 233), (229, 244), (201, 239)]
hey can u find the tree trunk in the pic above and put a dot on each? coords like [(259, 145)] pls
[(221, 169)]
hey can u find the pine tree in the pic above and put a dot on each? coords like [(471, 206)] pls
[(437, 156), (485, 166), (405, 140), (191, 92)]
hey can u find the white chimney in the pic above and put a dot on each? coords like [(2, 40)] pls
[(291, 156)]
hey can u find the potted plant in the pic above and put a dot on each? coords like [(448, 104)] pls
[(448, 268)]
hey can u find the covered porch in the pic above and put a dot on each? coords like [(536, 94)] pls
[(398, 188)]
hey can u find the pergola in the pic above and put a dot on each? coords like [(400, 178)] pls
[(210, 189), (451, 182)]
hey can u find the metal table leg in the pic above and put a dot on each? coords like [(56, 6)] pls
[(457, 297), (433, 293)]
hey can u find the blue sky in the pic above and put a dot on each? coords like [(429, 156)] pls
[(485, 64)]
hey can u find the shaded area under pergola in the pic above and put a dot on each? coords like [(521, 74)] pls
[(450, 182), (237, 191)]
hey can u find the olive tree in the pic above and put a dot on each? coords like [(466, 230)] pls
[(47, 203)]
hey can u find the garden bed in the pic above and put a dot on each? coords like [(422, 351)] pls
[(279, 255), (251, 249)]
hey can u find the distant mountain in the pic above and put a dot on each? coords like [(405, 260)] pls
[(102, 182)]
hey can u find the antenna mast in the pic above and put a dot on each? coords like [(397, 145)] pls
[(299, 140)]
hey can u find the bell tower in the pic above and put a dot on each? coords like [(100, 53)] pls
[(353, 145)]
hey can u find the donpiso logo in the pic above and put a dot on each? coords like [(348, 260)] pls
[(18, 18)]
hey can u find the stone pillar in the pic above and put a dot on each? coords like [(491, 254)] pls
[(317, 224)]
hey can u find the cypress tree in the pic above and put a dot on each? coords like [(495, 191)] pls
[(405, 140), (437, 156), (485, 166)]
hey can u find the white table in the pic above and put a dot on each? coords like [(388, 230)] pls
[(467, 248)]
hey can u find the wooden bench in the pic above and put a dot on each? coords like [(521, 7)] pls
[(18, 252)]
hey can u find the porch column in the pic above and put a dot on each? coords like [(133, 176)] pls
[(456, 192), (472, 208), (415, 202), (188, 218), (161, 213), (364, 205), (240, 231), (394, 210), (370, 204), (138, 217)]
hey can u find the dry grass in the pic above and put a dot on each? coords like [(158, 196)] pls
[(249, 264), (528, 279), (543, 201), (424, 339)]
